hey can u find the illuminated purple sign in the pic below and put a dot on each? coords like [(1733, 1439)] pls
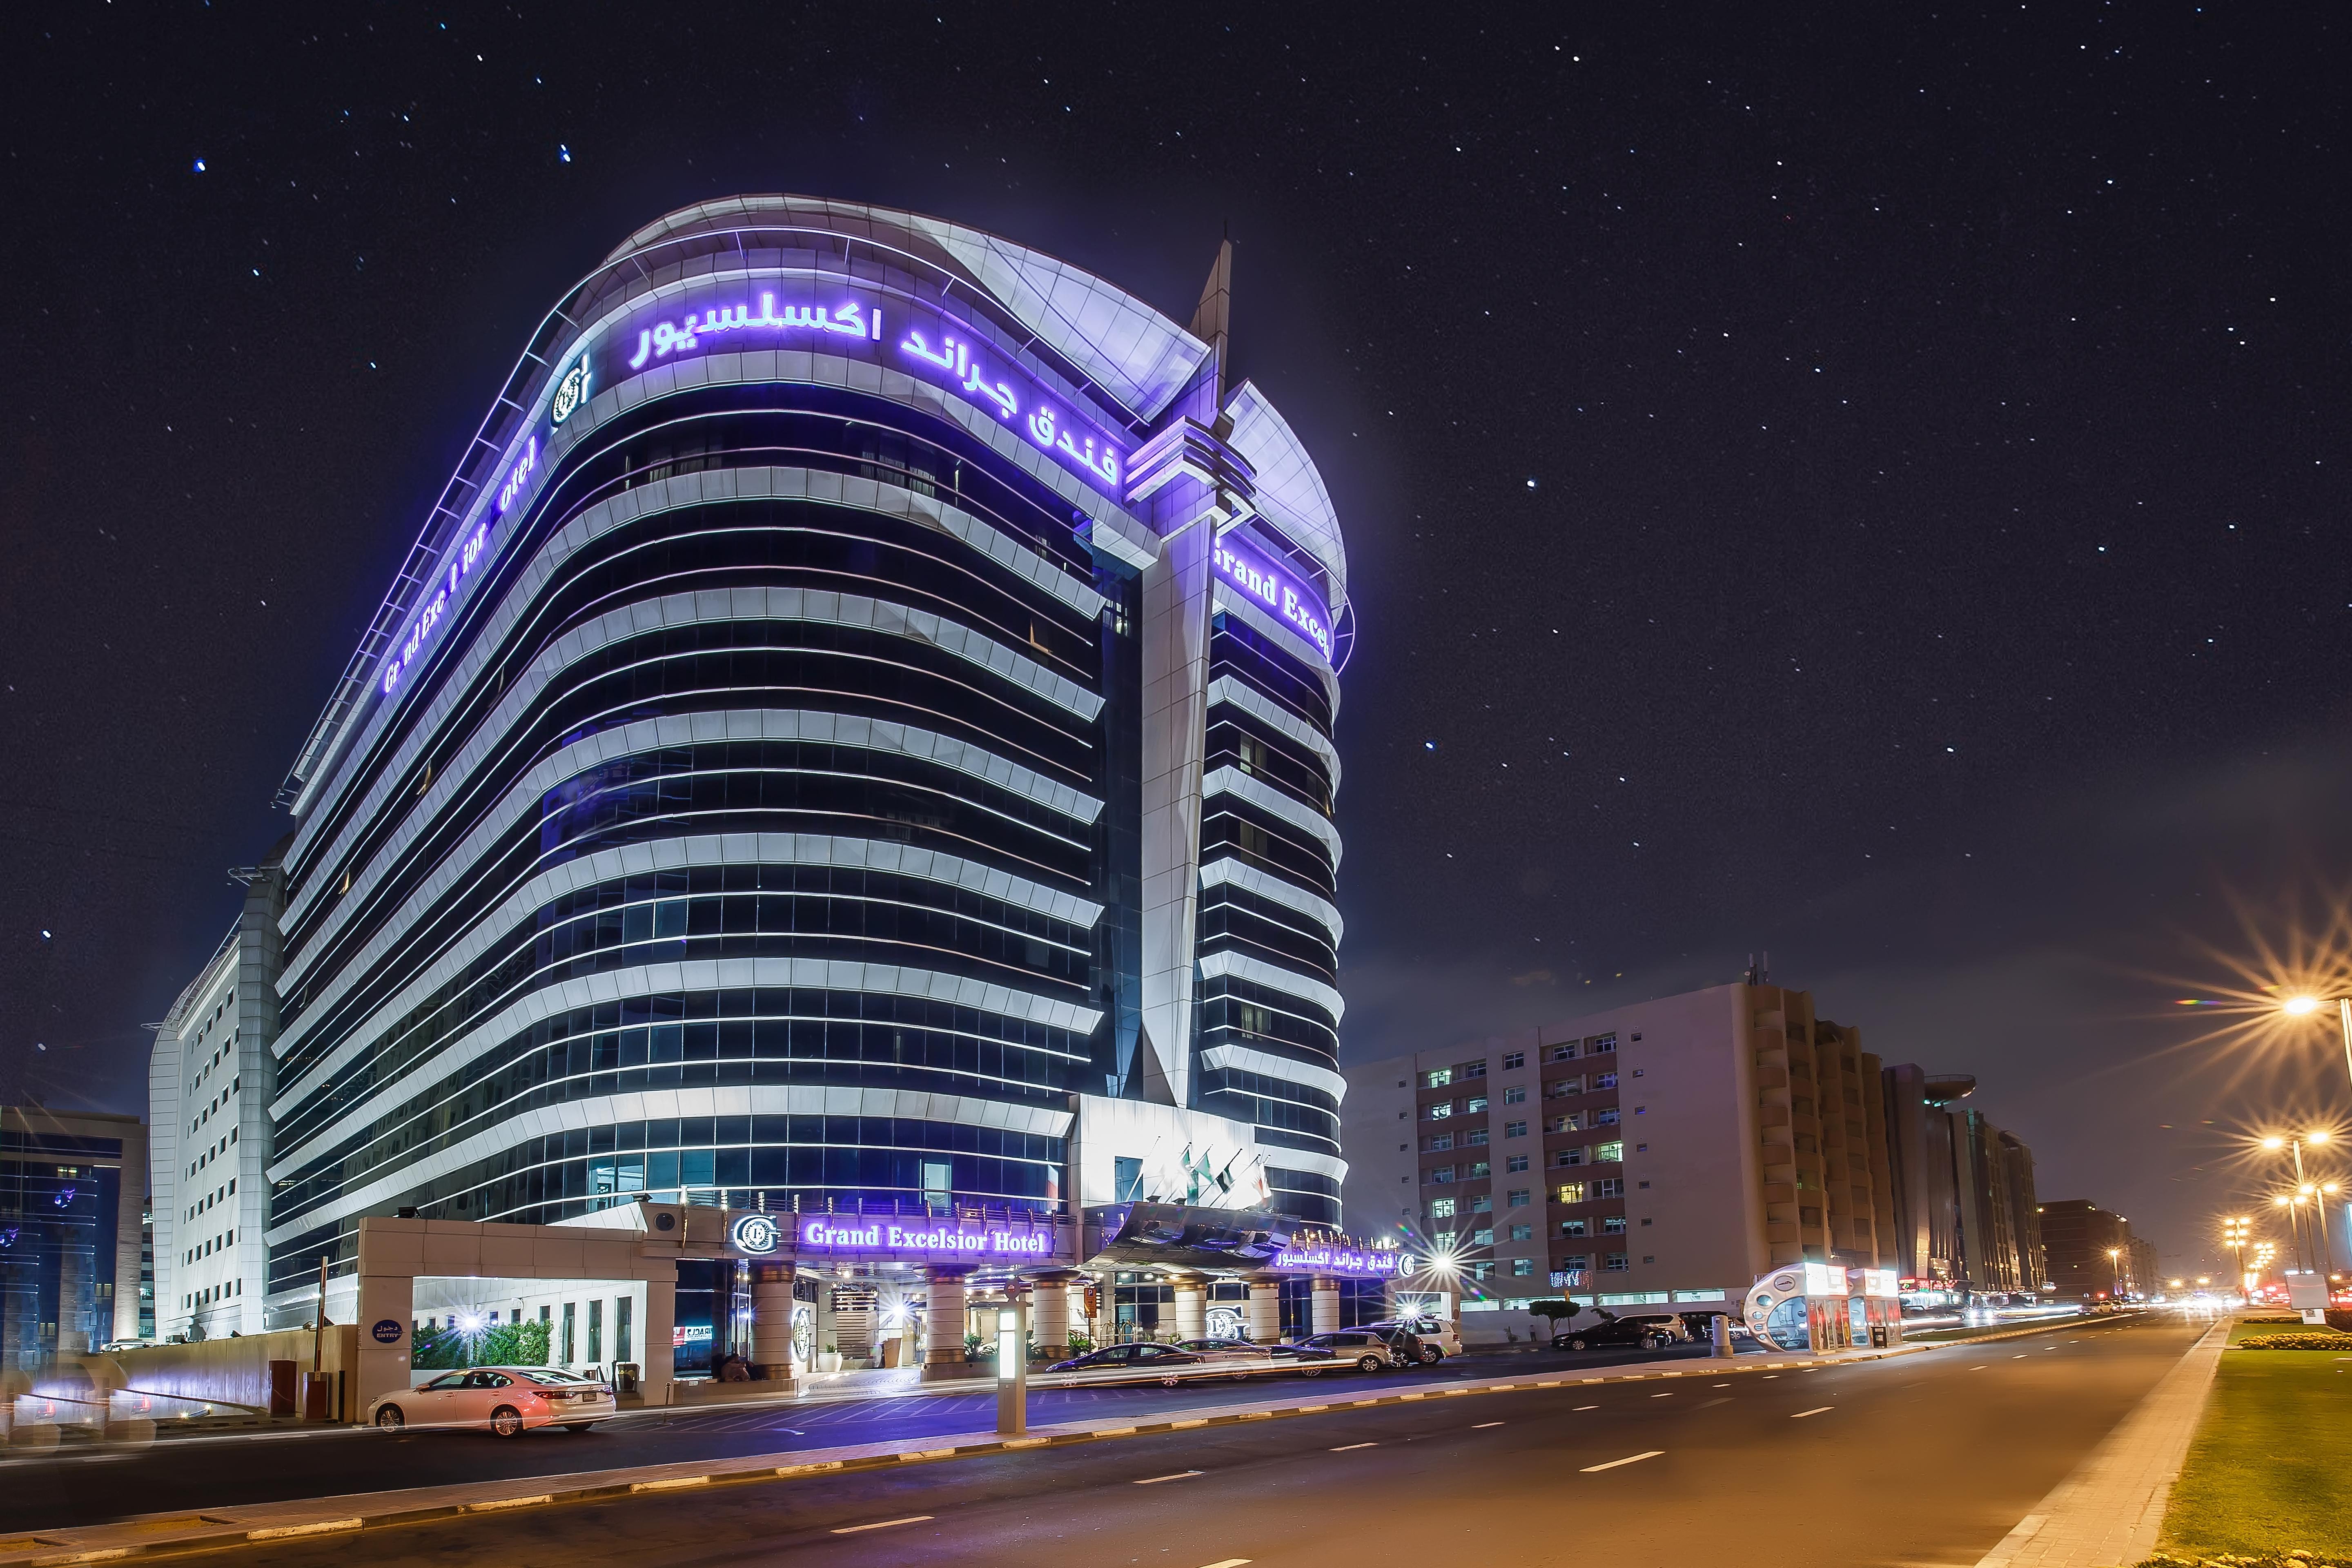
[(1355, 1262), (1278, 589), (948, 1239), (396, 663), (933, 348)]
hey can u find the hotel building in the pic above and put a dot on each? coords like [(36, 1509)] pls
[(853, 737)]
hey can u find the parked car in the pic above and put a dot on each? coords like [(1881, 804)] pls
[(508, 1400), (1650, 1333), (1368, 1351), (1306, 1361), (1163, 1364), (1239, 1356), (1411, 1345), (1438, 1332)]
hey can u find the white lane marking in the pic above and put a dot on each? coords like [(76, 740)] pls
[(1232, 1562), (1484, 1425), (1584, 1408), (882, 1524), (1722, 1385), (1770, 1375), (1155, 1481), (1667, 1396), (1980, 1366), (2019, 1356), (1351, 1447), (1628, 1459), (1816, 1410)]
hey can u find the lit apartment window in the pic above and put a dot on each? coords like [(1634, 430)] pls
[(1603, 1080), (1482, 1239), (1478, 1104), (1523, 1233), (1441, 1110), (1572, 1122), (1438, 1079), (1513, 1059), (1610, 1154), (1252, 1019), (1441, 1208), (1477, 1170), (1612, 1224), (1523, 1266), (1568, 1193)]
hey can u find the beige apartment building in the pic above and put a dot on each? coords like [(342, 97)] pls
[(1666, 1151)]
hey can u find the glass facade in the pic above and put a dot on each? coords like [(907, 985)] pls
[(743, 797)]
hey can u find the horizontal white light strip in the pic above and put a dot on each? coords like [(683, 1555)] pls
[(1274, 890), (666, 979), (1305, 1160), (1257, 972), (644, 858), (1226, 602), (1266, 1064), (661, 1104), (1232, 781), (1249, 700)]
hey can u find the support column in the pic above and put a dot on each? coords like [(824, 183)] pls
[(1326, 1301), (661, 1353), (1192, 1307), (383, 1299), (943, 1327), (1264, 1314), (772, 1322), (1106, 1319), (1050, 1312)]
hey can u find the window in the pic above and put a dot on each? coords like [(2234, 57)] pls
[(1478, 1170), (1483, 1270), (1568, 1193), (1523, 1266), (1569, 1157), (1126, 1179), (1472, 1069), (1440, 1173), (1519, 1197), (939, 1189), (1598, 1044), (1516, 1095), (1610, 1154), (1252, 754), (1444, 1239), (1514, 1129), (1522, 1232), (1575, 1227), (1478, 1104), (1441, 1140), (1476, 1137), (1441, 1110), (1482, 1239), (1437, 1079), (1513, 1059), (1615, 1263), (1605, 1117), (1253, 1019), (1601, 1081), (1612, 1224), (1441, 1208), (1253, 840), (1566, 1053), (1515, 1164), (1571, 1122), (1483, 1204), (1609, 1187)]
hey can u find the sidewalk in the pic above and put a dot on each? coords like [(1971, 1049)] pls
[(149, 1534), (2108, 1513)]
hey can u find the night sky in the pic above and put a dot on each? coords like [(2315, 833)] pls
[(1866, 489)]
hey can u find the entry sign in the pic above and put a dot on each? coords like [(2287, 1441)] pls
[(755, 1234), (387, 1332)]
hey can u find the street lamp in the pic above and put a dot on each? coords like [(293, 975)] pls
[(2305, 1007), (2304, 1190), (2115, 1272)]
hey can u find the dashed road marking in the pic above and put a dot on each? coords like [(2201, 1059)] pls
[(1628, 1459), (1584, 1408), (1351, 1448), (1816, 1410), (1155, 1481), (1484, 1425), (882, 1524)]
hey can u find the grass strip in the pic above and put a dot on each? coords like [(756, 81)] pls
[(2269, 1471)]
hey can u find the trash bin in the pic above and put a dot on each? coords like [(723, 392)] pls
[(625, 1374)]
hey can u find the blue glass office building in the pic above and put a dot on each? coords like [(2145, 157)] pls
[(857, 727)]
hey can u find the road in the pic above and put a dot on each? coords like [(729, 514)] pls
[(1919, 1462)]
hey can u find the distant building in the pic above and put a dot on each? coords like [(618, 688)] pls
[(1669, 1150), (1965, 1215), (70, 1189), (2092, 1253)]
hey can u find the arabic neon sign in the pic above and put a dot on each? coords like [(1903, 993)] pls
[(1282, 592), (1356, 1263)]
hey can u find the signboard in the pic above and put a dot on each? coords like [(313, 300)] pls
[(756, 1234), (955, 1239), (1276, 589), (1345, 1262), (387, 1331)]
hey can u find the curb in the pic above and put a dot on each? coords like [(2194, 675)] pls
[(149, 1537)]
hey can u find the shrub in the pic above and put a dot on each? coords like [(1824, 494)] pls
[(2304, 1342)]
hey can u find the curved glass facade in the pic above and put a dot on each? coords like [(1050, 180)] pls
[(758, 789)]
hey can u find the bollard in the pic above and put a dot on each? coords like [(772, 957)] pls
[(1722, 1336), (1012, 1371)]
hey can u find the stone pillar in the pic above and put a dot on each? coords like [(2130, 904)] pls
[(1327, 1306), (1105, 1310), (1264, 1315), (943, 1327), (660, 1356), (383, 1299), (1191, 1306), (1050, 1312), (772, 1322)]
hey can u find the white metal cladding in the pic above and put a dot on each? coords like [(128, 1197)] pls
[(734, 369), (463, 864), (1257, 972), (661, 1104), (678, 492), (819, 606), (1266, 1064), (1282, 635), (1307, 1160), (1275, 890), (1241, 787), (1246, 698), (659, 855), (1289, 491), (705, 975), (1141, 358)]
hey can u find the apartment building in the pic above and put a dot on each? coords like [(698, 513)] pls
[(1669, 1151)]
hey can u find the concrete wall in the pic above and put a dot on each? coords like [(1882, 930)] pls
[(236, 1370)]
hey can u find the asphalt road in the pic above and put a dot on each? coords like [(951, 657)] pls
[(1919, 1462), (96, 1486)]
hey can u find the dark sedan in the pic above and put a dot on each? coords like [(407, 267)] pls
[(1650, 1333), (1134, 1364)]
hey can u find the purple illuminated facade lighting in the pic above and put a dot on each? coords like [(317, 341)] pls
[(1278, 590)]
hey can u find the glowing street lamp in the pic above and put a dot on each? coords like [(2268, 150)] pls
[(2301, 1006)]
